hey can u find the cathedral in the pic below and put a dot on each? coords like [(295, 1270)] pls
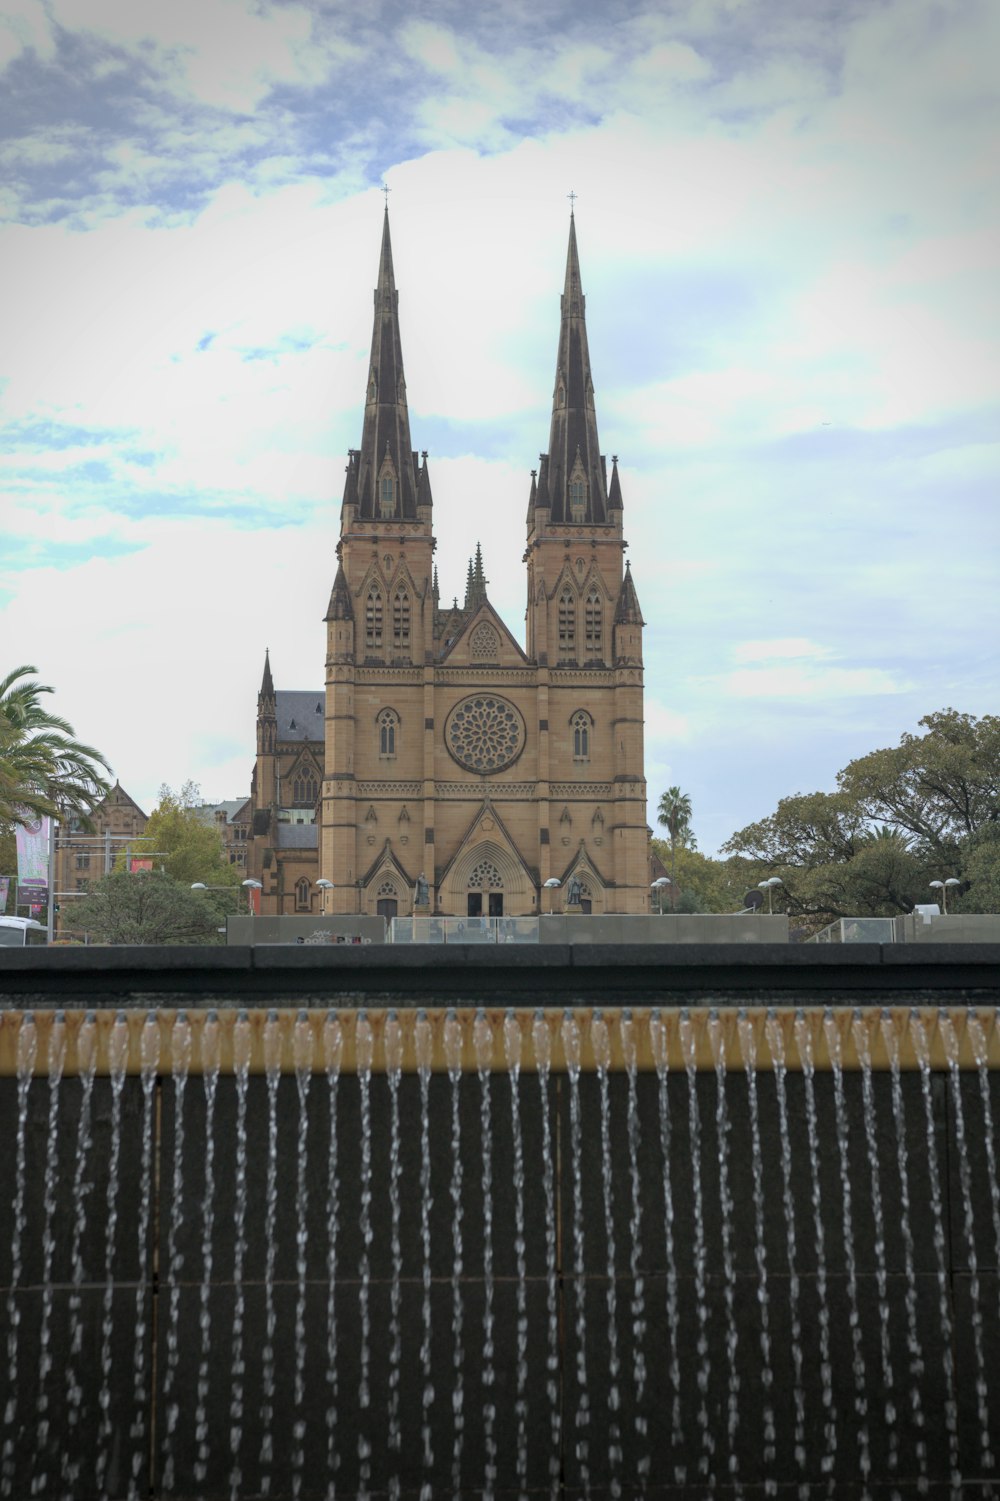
[(444, 768)]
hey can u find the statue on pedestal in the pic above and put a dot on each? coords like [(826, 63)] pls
[(574, 892), (421, 895)]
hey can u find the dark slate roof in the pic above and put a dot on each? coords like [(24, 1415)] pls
[(300, 714), (207, 811), (298, 836), (573, 431)]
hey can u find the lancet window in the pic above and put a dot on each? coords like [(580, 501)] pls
[(577, 499), (373, 619), (388, 724), (387, 495), (567, 623), (305, 788), (302, 898), (594, 623), (581, 724), (401, 621)]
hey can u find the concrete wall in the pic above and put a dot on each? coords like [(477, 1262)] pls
[(960, 928), (296, 927), (713, 927)]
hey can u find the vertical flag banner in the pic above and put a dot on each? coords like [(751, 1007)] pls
[(33, 854), (4, 887)]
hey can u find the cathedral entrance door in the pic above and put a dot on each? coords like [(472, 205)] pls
[(475, 905), (496, 904), (387, 906)]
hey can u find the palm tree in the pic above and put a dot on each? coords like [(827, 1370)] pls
[(674, 814), (43, 770)]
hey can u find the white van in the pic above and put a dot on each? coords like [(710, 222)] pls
[(21, 932)]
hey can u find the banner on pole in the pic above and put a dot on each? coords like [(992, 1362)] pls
[(32, 841), (4, 888)]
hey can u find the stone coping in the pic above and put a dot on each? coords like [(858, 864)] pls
[(510, 974)]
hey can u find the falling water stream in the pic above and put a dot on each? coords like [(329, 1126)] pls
[(210, 1082), (862, 1047), (600, 1039), (364, 1043), (572, 1053), (117, 1063), (921, 1047), (717, 1040), (86, 1054), (949, 1038), (27, 1048), (333, 1051), (748, 1047), (890, 1037), (659, 1043), (302, 1050), (688, 1043), (627, 1032), (242, 1045), (424, 1047), (393, 1043), (180, 1062), (512, 1044), (541, 1041), (57, 1058), (272, 1071), (482, 1041), (833, 1045), (453, 1058), (149, 1058)]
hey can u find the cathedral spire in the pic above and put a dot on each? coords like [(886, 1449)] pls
[(386, 463), (266, 682), (577, 487)]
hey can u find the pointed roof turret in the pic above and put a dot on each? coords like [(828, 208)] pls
[(386, 472), (627, 610), (532, 496), (615, 488), (470, 584), (576, 482), (436, 588), (266, 682), (340, 607)]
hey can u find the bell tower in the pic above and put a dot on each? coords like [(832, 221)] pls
[(380, 619), (584, 631)]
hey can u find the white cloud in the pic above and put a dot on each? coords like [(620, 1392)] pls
[(786, 649)]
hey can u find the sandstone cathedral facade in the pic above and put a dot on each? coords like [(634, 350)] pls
[(439, 748)]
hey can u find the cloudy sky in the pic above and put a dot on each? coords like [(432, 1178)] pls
[(788, 227)]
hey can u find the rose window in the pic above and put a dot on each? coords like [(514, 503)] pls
[(484, 733)]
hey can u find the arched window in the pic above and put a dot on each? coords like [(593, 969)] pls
[(580, 724), (302, 898), (305, 789), (401, 621), (386, 495), (373, 619), (388, 723), (594, 623), (577, 499), (567, 623)]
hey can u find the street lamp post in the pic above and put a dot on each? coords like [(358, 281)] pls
[(659, 886), (942, 886), (552, 884), (323, 886), (769, 886), (250, 886)]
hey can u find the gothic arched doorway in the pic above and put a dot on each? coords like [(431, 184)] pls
[(484, 897)]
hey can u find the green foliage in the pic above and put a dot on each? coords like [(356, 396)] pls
[(924, 810), (703, 884), (43, 770), (674, 814), (182, 844), (146, 907)]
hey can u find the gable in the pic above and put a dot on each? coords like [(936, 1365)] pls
[(484, 641)]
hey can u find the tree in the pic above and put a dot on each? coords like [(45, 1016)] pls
[(182, 844), (145, 907), (674, 814), (703, 884), (43, 769), (901, 817)]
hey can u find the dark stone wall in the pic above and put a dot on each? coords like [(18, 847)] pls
[(674, 1449)]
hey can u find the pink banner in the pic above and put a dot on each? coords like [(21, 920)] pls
[(33, 854), (4, 888)]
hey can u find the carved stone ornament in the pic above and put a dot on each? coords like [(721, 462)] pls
[(484, 733)]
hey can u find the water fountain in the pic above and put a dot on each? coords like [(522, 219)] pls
[(355, 1253)]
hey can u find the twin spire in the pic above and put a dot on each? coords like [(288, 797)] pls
[(386, 479)]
